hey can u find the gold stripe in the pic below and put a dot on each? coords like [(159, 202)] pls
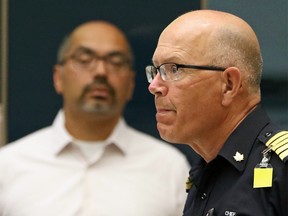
[(276, 136), (283, 155), (282, 149), (280, 144)]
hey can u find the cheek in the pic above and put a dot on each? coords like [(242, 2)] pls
[(187, 109), (196, 107), (123, 88), (73, 84)]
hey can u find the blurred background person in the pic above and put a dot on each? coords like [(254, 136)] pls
[(89, 161)]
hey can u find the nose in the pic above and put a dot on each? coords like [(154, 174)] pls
[(157, 86), (100, 68)]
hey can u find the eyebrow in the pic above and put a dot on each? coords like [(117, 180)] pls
[(171, 59), (90, 51), (84, 50)]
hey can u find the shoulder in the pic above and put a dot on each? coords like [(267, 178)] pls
[(25, 144), (275, 141)]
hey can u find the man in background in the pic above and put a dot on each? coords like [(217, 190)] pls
[(206, 84), (89, 161)]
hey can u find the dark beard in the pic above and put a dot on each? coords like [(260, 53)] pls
[(99, 106)]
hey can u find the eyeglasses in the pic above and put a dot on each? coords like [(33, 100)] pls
[(85, 59), (169, 71)]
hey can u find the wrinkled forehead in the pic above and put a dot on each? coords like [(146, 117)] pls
[(183, 43)]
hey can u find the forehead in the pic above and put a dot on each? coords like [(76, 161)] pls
[(99, 38), (169, 53), (185, 40)]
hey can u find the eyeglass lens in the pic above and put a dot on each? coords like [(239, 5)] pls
[(85, 59)]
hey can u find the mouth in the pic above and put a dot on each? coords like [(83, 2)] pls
[(98, 92), (164, 114)]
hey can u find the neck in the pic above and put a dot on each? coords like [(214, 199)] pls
[(89, 126), (209, 145)]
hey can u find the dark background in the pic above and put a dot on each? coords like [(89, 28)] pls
[(37, 27)]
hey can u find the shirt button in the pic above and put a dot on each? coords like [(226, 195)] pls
[(203, 196)]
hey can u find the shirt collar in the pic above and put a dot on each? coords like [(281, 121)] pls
[(120, 136), (63, 139), (243, 138)]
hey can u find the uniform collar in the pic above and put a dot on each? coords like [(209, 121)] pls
[(243, 138), (62, 139)]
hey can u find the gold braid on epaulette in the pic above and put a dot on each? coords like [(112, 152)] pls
[(279, 144)]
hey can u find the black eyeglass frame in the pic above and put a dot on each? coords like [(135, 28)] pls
[(197, 67)]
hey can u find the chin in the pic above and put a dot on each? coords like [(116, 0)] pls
[(96, 108), (165, 134), (169, 139), (169, 135)]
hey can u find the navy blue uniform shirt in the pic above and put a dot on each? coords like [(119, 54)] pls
[(224, 186)]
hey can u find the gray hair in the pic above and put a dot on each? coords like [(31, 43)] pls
[(234, 49), (63, 48)]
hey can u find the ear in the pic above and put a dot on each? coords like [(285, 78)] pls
[(232, 83), (57, 78)]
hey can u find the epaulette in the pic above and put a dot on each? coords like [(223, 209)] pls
[(279, 144)]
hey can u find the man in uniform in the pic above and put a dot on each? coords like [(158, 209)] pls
[(206, 82)]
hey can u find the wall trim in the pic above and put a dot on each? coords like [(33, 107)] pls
[(3, 70)]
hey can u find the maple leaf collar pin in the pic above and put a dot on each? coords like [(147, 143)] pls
[(238, 157)]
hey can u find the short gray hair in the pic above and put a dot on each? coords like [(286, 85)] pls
[(233, 49), (63, 48)]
